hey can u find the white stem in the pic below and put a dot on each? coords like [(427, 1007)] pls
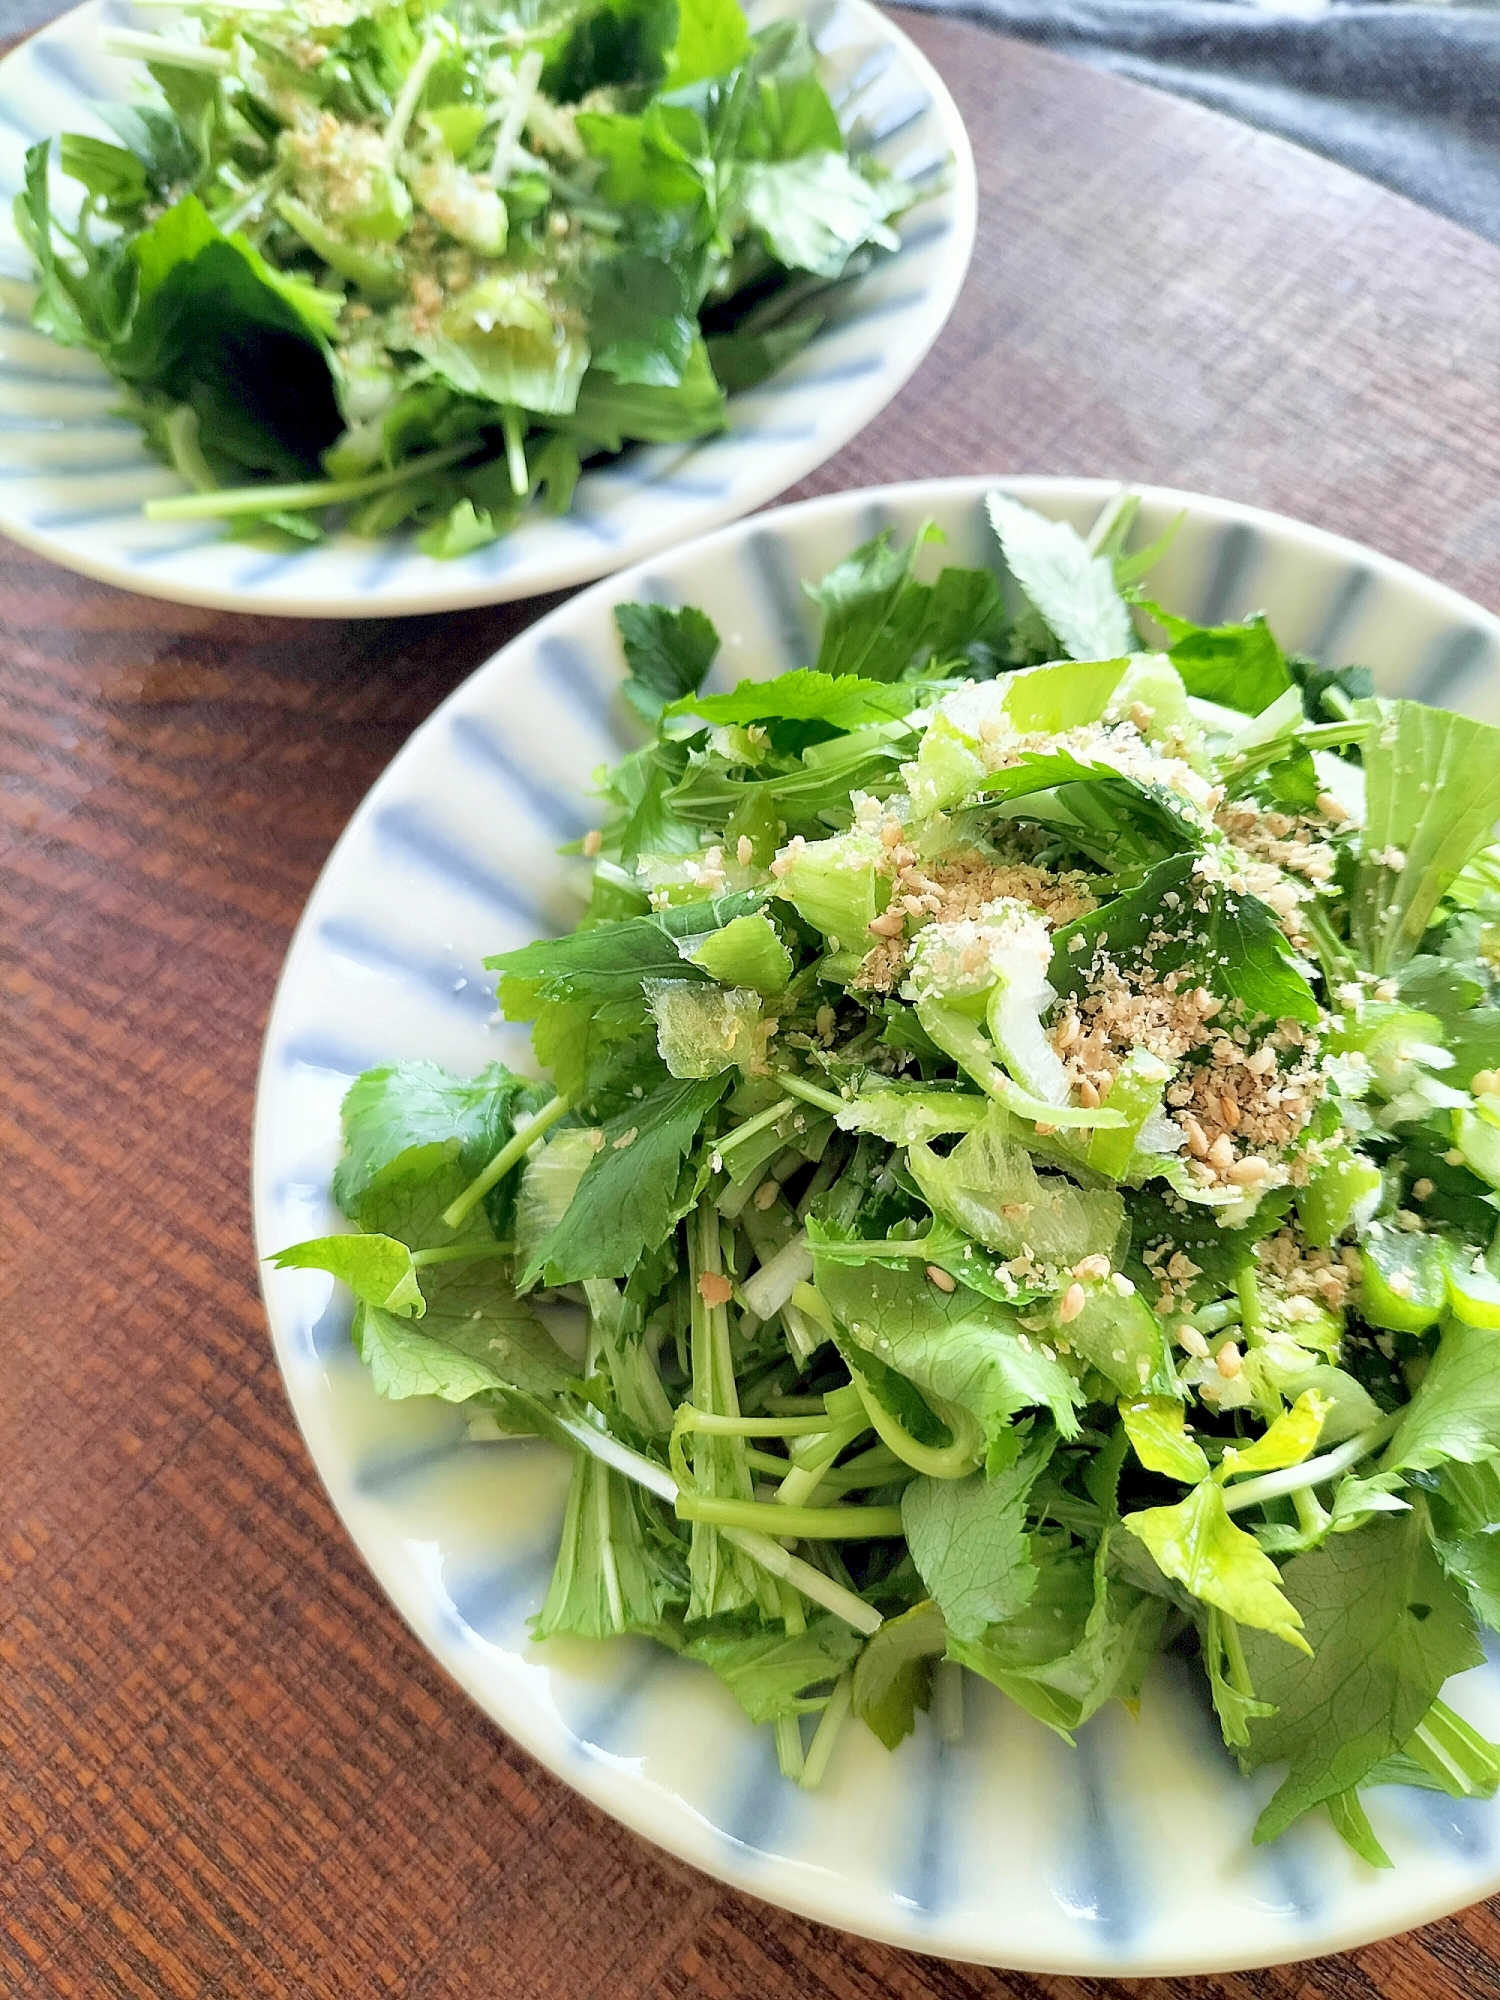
[(948, 1700), (411, 92), (830, 1722), (217, 6), (811, 1582), (634, 1464), (773, 1284), (528, 75), (158, 49), (1312, 1472)]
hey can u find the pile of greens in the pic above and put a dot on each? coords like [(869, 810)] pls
[(418, 260), (1026, 1135)]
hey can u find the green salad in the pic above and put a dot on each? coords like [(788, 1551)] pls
[(1024, 1124), (418, 262)]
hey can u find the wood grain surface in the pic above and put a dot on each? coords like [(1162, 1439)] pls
[(226, 1769)]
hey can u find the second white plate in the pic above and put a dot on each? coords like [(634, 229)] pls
[(74, 476), (1129, 1855)]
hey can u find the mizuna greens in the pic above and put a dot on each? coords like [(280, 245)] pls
[(1026, 1135), (419, 262)]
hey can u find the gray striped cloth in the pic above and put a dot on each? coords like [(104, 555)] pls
[(1408, 94)]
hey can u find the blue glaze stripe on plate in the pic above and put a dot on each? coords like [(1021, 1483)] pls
[(757, 1794), (1236, 553), (767, 558), (488, 1598), (1454, 664), (381, 1472), (1096, 1881), (328, 1336), (1345, 604), (351, 940), (603, 1727), (924, 1881), (320, 1050), (482, 742), (579, 671), (407, 829)]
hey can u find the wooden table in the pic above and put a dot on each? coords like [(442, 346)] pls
[(226, 1769)]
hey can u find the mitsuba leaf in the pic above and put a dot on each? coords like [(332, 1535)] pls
[(1386, 1628), (879, 621), (377, 1269), (712, 38), (609, 411), (773, 1673), (968, 1540), (1157, 1429), (843, 701), (1176, 922), (668, 653), (1455, 1413), (1197, 1544), (893, 1675), (641, 323), (216, 328), (626, 1200), (475, 1337), (1084, 1638), (813, 212), (1240, 666), (388, 1111), (955, 1347)]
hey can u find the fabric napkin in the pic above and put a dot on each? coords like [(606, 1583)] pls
[(1408, 94)]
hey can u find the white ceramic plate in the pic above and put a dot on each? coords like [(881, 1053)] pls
[(74, 476), (1129, 1855)]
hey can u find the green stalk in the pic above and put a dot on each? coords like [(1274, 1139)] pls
[(1249, 1296), (411, 93), (751, 1126), (690, 1418), (229, 502), (826, 1735), (164, 52), (810, 1093), (789, 1747), (1214, 1318), (807, 1473), (461, 1253), (181, 430), (769, 1555), (515, 451), (599, 1444), (1312, 1472), (804, 1524), (1234, 1655), (515, 1149), (813, 1583), (951, 1461), (1464, 1763)]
